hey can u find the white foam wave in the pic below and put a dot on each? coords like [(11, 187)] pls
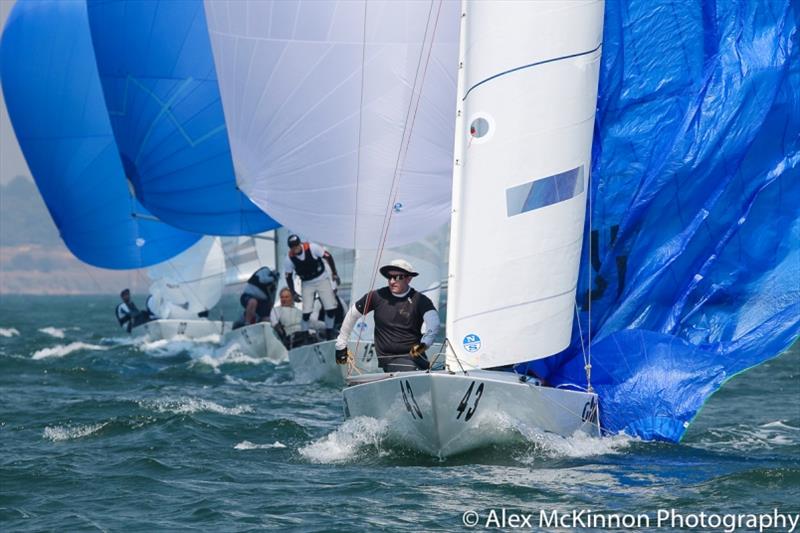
[(577, 445), (231, 354), (348, 441), (59, 433), (8, 332), (191, 405), (61, 350), (247, 445), (53, 332), (171, 348)]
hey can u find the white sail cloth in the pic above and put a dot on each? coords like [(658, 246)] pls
[(528, 90), (327, 102), (191, 282)]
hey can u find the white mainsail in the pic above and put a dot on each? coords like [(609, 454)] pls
[(339, 112), (528, 92)]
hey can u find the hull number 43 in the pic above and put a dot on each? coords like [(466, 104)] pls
[(465, 401)]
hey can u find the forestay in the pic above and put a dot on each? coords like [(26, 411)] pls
[(341, 112), (528, 92)]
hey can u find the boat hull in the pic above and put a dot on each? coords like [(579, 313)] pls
[(256, 340), (168, 329), (317, 362), (444, 414)]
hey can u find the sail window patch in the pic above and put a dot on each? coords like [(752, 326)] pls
[(479, 127), (545, 191)]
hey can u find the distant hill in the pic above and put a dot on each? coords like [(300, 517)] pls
[(34, 260), (24, 219)]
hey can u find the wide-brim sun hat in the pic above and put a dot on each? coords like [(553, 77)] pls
[(398, 264)]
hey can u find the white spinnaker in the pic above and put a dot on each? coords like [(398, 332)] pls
[(527, 96), (191, 282), (428, 257), (245, 255), (315, 143)]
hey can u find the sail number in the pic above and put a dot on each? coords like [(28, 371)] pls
[(465, 401), (409, 400), (590, 411)]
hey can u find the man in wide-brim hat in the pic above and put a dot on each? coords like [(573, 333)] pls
[(400, 311)]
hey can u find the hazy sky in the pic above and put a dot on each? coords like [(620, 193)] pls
[(11, 161)]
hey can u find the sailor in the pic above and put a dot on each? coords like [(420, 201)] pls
[(258, 297), (128, 315), (400, 313), (305, 258), (286, 319)]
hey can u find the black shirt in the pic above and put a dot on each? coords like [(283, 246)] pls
[(398, 321)]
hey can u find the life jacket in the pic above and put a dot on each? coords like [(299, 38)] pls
[(309, 268)]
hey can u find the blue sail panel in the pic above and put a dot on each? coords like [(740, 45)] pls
[(692, 270), (56, 106), (160, 85)]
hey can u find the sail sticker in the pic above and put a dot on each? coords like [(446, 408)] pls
[(544, 191), (472, 343), (398, 206)]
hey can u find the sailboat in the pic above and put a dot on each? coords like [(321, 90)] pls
[(129, 149), (317, 117), (526, 104)]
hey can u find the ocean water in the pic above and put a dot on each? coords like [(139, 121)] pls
[(101, 431)]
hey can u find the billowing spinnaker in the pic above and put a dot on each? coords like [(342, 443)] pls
[(322, 116), (692, 275), (55, 102), (160, 86), (528, 91)]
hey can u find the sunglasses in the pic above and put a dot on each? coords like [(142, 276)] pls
[(398, 277)]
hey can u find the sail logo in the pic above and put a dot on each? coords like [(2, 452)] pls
[(472, 343)]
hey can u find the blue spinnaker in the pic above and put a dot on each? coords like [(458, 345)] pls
[(693, 273), (54, 99), (160, 85)]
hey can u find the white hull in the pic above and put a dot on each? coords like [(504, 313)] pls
[(257, 340), (317, 362), (444, 414), (168, 329)]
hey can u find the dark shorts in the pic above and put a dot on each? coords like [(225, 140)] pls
[(263, 308)]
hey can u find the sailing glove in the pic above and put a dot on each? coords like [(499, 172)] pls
[(341, 356), (418, 349), (337, 279), (296, 298)]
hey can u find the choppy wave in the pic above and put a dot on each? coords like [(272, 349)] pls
[(247, 445), (171, 348), (53, 332), (61, 350), (184, 406), (578, 445), (348, 441), (9, 332), (767, 436), (60, 433)]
